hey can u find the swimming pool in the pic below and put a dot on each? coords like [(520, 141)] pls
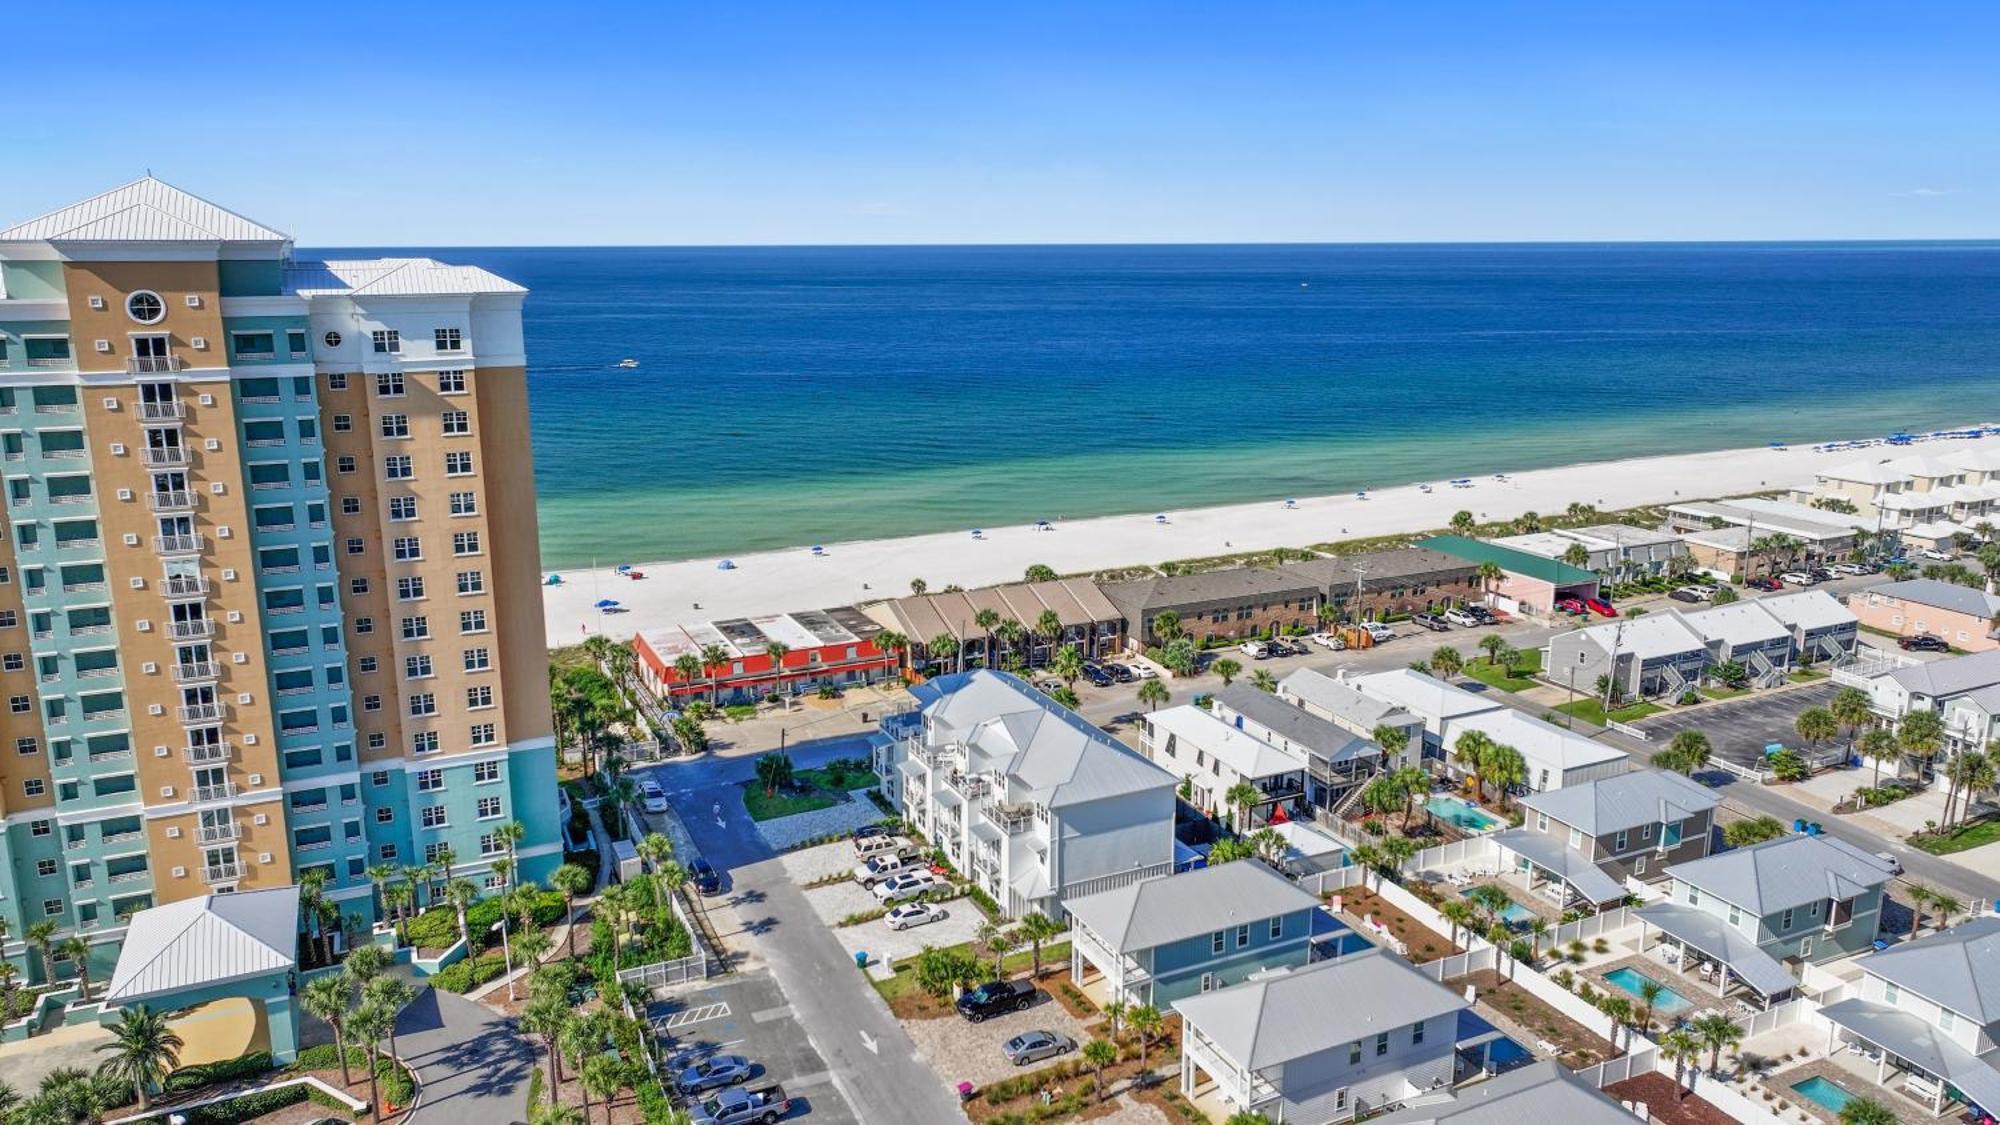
[(1629, 979), (1460, 813), (1514, 915), (1823, 1092)]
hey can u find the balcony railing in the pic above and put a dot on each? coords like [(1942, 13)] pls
[(220, 792), (215, 833), (176, 501), (168, 457), (202, 712), (206, 754), (197, 672), (177, 544), (151, 364), (197, 630), (168, 411), (1013, 820), (184, 586), (222, 872)]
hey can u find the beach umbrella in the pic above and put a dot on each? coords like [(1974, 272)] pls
[(1160, 518), (607, 603), (818, 550), (976, 533), (623, 567), (725, 564)]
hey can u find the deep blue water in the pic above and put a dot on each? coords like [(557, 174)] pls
[(795, 395)]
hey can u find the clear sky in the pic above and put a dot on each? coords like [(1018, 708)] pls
[(840, 122)]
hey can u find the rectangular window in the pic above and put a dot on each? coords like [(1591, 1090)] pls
[(1277, 928), (336, 381), (371, 703), (410, 588), (344, 463), (471, 582), (483, 772), (415, 628), (1381, 1044), (457, 423), (464, 504), (433, 816), (364, 625), (424, 742), (1416, 1033), (472, 621), (402, 507), (350, 505), (252, 345), (458, 464), (1891, 993), (1354, 1053), (357, 586), (417, 667), (489, 808), (395, 425), (479, 697), (449, 339), (397, 467), (478, 660), (451, 382), (484, 734), (356, 545), (1242, 936), (387, 341), (295, 342), (423, 704), (343, 423), (408, 549), (1216, 942), (464, 543)]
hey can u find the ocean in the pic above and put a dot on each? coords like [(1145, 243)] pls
[(788, 396)]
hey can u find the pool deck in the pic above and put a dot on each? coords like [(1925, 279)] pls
[(1700, 994), (1833, 1070)]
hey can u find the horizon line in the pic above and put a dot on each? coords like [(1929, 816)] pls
[(1271, 244)]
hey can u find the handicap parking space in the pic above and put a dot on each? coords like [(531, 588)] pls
[(748, 1015), (1740, 728)]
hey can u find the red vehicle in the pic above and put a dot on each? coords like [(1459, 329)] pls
[(1570, 605), (1600, 607)]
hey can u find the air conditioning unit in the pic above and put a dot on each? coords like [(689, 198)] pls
[(211, 445), (222, 532), (243, 699), (249, 740), (216, 487), (166, 790), (161, 751), (111, 405), (155, 709), (239, 657), (205, 399), (104, 347), (138, 583), (229, 574), (263, 857), (180, 872), (125, 494), (256, 779), (143, 625), (260, 820), (131, 540), (235, 616), (150, 668), (118, 449)]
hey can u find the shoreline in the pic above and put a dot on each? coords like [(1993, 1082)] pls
[(854, 572)]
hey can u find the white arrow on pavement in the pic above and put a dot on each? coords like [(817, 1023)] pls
[(868, 1041)]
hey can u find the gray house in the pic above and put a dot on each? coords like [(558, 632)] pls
[(1795, 899), (1543, 1092), (1324, 1043), (1181, 935), (1348, 707), (1931, 1008), (1822, 628), (1744, 633), (1658, 654), (1336, 758), (1628, 826)]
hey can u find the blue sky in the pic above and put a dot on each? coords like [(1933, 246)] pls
[(649, 123)]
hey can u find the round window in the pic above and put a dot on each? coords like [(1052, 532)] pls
[(146, 307), (332, 339)]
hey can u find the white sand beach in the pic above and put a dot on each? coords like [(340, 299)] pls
[(870, 570)]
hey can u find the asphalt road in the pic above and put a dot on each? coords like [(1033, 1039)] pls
[(870, 1061)]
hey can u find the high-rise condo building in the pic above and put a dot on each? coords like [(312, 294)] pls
[(269, 580)]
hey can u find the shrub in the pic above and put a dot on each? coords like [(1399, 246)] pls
[(536, 1081), (464, 976), (227, 1070), (984, 902), (251, 1106), (654, 1106)]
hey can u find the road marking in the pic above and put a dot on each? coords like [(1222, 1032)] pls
[(868, 1041), (691, 1015), (769, 1014), (813, 1079)]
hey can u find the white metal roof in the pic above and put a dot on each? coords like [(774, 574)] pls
[(1738, 623), (1543, 1093), (1974, 460), (205, 941), (1954, 968), (1647, 637), (1865, 472), (1051, 752), (1541, 744), (1277, 1017), (1243, 752), (1917, 465), (145, 210), (1811, 609), (392, 277), (1170, 908), (1423, 695)]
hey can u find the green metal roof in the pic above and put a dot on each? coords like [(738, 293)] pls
[(1509, 559)]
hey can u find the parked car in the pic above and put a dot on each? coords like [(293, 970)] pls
[(1049, 686), (912, 914), (1851, 568), (1288, 646), (1895, 865), (1432, 622), (740, 1106), (905, 886), (1600, 607), (1798, 578), (1821, 574), (1691, 594), (1923, 642), (1572, 606), (713, 1072), (1464, 618), (1765, 584), (1031, 1046), (1097, 675), (1378, 631), (1935, 555), (652, 798), (1329, 641), (1255, 650), (995, 998), (1143, 671), (867, 832), (1123, 673), (882, 844), (888, 865), (704, 877)]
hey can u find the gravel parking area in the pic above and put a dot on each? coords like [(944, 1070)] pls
[(960, 1051), (839, 900), (961, 920), (786, 831), (810, 865)]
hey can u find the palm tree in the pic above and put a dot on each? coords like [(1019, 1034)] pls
[(1815, 725), (774, 771), (1115, 1012), (364, 963), (378, 877), (1397, 850), (1264, 681), (1461, 915), (556, 1113), (1650, 992), (1166, 626), (893, 644), (714, 658), (1946, 906), (1982, 774), (1147, 1021), (1470, 751), (1227, 669), (1921, 896), (76, 951), (1462, 523), (1446, 663), (369, 1024), (1876, 745), (325, 998), (1038, 927), (1067, 664), (777, 651), (688, 667), (572, 880), (1849, 707), (143, 1050), (1368, 857), (1867, 1111), (7, 986), (1242, 797), (42, 935), (461, 894), (532, 944), (581, 1037), (1488, 573), (392, 995), (1011, 633), (1717, 1031), (1920, 734), (1412, 782), (1392, 739), (1684, 1049), (986, 619), (1490, 900), (602, 1076), (1538, 928), (1153, 693), (1247, 1117), (1049, 625), (1099, 1054), (1576, 555), (1505, 768), (940, 648), (545, 1016)]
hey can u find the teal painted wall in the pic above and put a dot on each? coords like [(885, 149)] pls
[(531, 776), (33, 281), (251, 279)]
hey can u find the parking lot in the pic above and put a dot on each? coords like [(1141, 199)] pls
[(748, 1015), (1740, 728), (883, 945), (962, 1051)]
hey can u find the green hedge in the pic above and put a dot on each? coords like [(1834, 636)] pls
[(394, 1081), (251, 1106), (227, 1070), (464, 976), (437, 928)]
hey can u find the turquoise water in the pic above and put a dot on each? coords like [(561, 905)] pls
[(1823, 1092), (1461, 813), (1629, 979), (788, 396), (1514, 914)]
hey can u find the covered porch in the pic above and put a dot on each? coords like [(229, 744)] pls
[(223, 964), (1209, 1076), (1547, 866), (1913, 1058), (1706, 946)]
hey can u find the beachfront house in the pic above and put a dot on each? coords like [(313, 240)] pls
[(1372, 584), (1217, 605), (1961, 615), (1822, 629), (782, 654), (1925, 500), (1024, 795), (1528, 583), (1339, 702), (1543, 1093), (1752, 537), (1654, 655), (1745, 633), (1928, 1014), (1018, 612), (1324, 1043), (1635, 552), (1156, 941), (1597, 557), (1336, 759), (1593, 839), (1432, 702), (1212, 757), (1798, 899)]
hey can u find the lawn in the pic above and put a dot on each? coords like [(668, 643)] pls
[(1965, 837), (811, 790), (1520, 677), (1592, 711), (908, 1001), (1723, 692)]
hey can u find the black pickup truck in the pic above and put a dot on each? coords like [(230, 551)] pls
[(996, 998)]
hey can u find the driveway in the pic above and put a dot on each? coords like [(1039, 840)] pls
[(472, 1061)]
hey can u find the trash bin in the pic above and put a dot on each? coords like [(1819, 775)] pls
[(861, 959)]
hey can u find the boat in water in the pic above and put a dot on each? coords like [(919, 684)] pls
[(627, 363)]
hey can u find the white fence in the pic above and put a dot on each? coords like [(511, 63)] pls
[(1338, 879), (1571, 1005), (1473, 850), (1642, 1061), (1629, 730), (698, 965), (1460, 964), (1593, 927), (1784, 1015)]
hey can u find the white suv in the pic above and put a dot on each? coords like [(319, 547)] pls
[(1462, 619)]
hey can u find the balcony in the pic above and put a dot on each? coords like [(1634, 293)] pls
[(81, 587), (207, 754), (177, 544), (1011, 819), (222, 872), (200, 629), (221, 792), (151, 364), (168, 411), (202, 712), (177, 501), (200, 671), (969, 786), (184, 586), (216, 833), (164, 457)]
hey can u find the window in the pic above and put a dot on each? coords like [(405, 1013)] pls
[(252, 345), (146, 307), (434, 852), (395, 425), (20, 704), (410, 588), (483, 772), (489, 808), (484, 734), (52, 906), (457, 423), (356, 545), (451, 382), (1694, 897), (458, 464), (471, 582), (371, 703), (13, 662), (432, 816), (38, 828), (423, 704), (387, 341), (464, 504), (350, 505), (377, 740), (424, 742), (1277, 928), (464, 543), (408, 549), (472, 621), (26, 745), (1381, 1044), (490, 844), (1575, 838), (364, 625), (1354, 1053), (335, 380), (357, 586), (417, 667), (397, 467), (295, 343), (482, 696), (1242, 936), (402, 507), (1639, 866), (478, 660), (386, 815), (449, 339), (1215, 942), (1890, 993), (416, 628), (1784, 920), (45, 867), (1619, 843), (33, 787), (1541, 822), (1946, 1020), (343, 463), (1416, 1033), (343, 423)]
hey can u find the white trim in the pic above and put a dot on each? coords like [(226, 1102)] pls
[(299, 784), (283, 304), (35, 308)]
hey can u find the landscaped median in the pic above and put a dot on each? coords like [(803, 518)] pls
[(1961, 838), (781, 791)]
